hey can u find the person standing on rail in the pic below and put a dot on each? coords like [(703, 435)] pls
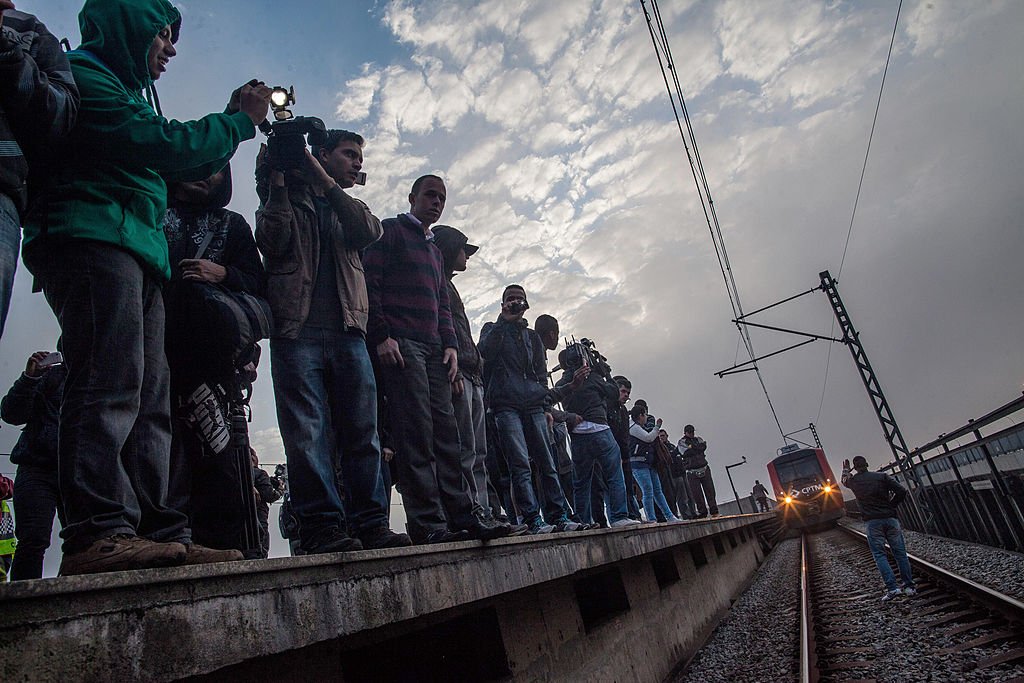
[(879, 495)]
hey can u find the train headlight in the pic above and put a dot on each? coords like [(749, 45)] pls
[(787, 499), (828, 488)]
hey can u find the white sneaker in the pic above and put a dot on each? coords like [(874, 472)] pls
[(624, 523), (889, 595), (910, 591)]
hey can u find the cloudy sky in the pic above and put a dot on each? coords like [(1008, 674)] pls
[(552, 127)]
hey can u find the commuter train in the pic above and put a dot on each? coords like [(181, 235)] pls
[(808, 493)]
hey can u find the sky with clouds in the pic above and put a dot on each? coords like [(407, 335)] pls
[(552, 127)]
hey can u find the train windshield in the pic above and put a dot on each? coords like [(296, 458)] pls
[(804, 468)]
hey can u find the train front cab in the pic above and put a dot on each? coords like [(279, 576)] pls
[(808, 493)]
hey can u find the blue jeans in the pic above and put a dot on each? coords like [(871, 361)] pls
[(650, 484), (632, 509), (879, 532), (10, 242), (588, 450), (524, 437), (115, 423), (327, 409)]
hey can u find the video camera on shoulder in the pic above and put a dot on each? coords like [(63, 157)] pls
[(584, 352), (288, 136)]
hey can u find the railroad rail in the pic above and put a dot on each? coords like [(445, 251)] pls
[(954, 626)]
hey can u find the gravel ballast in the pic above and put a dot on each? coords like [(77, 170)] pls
[(759, 638), (901, 642)]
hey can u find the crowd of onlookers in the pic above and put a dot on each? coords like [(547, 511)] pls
[(135, 426)]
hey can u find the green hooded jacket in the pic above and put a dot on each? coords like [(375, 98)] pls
[(108, 180)]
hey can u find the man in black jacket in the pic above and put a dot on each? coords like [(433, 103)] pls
[(468, 387), (34, 401), (38, 106), (517, 394), (879, 495), (698, 472)]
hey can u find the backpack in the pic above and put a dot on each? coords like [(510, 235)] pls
[(223, 324)]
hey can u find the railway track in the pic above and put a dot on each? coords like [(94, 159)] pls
[(953, 630)]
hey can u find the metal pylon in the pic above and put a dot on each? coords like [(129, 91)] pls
[(814, 433), (891, 430)]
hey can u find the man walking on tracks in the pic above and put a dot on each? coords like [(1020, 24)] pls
[(879, 495)]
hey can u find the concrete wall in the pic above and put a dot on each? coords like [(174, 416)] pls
[(525, 608)]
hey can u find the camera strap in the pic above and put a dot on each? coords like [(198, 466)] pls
[(207, 238)]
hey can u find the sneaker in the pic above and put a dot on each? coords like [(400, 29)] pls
[(909, 591), (889, 595), (445, 536), (383, 537), (518, 530), (487, 529), (122, 552), (539, 527), (672, 520), (624, 523), (200, 554), (568, 525), (330, 540)]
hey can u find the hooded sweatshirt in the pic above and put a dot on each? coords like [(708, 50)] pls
[(450, 240), (108, 181)]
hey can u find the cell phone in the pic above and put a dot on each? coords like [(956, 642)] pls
[(51, 359), (360, 178)]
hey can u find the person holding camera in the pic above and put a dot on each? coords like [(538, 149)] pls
[(34, 401), (594, 448), (411, 330), (95, 243), (211, 248), (517, 394), (311, 232), (878, 496)]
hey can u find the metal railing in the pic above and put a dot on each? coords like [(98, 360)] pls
[(975, 491)]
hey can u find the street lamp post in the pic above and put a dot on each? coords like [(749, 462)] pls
[(729, 474)]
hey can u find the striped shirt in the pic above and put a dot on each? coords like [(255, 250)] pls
[(407, 287)]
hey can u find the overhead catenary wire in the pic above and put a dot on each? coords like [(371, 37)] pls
[(666, 63), (856, 199)]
